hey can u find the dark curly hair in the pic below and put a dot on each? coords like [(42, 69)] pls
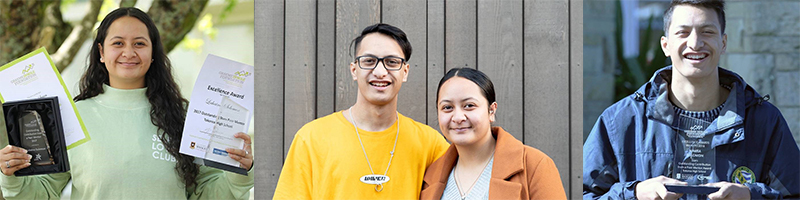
[(167, 111)]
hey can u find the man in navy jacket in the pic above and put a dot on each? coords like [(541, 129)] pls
[(632, 148)]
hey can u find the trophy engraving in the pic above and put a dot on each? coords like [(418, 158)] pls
[(33, 137), (694, 157)]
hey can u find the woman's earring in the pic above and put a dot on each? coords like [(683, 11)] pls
[(101, 59)]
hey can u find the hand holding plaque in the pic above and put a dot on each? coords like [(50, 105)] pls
[(728, 190), (12, 159), (654, 188), (36, 138)]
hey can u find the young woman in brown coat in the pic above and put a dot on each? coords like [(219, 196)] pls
[(483, 162)]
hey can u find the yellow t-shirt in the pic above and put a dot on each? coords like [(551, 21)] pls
[(326, 161)]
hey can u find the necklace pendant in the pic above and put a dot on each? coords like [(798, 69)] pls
[(374, 179)]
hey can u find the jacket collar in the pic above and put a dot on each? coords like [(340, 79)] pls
[(438, 178), (659, 108), (508, 161), (508, 155)]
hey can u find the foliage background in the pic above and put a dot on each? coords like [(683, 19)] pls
[(221, 27)]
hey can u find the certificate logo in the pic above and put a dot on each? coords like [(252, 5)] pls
[(28, 76), (28, 68), (191, 146), (242, 74), (236, 78), (743, 175)]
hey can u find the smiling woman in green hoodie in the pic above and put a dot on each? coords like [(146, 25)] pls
[(134, 114)]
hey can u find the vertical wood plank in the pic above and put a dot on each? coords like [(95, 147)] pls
[(300, 71), (326, 56), (352, 16), (436, 52), (547, 81), (576, 99), (410, 16), (500, 57), (543, 35), (460, 33), (269, 97)]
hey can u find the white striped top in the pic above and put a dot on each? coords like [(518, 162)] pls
[(479, 191)]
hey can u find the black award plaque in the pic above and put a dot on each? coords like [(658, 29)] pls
[(33, 137), (35, 125)]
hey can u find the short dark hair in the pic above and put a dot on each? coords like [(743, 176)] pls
[(477, 77), (716, 5), (388, 30)]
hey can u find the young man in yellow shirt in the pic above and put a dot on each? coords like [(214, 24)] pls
[(368, 151)]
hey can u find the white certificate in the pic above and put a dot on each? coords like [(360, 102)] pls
[(231, 119), (220, 106), (35, 76)]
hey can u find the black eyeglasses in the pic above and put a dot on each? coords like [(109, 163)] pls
[(391, 63)]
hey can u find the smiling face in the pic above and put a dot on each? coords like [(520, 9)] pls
[(378, 86), (694, 41), (465, 116), (127, 52)]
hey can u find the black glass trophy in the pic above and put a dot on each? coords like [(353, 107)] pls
[(33, 137), (695, 157), (35, 125)]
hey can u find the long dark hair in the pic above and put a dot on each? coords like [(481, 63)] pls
[(167, 111)]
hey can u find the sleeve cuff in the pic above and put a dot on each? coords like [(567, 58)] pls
[(11, 185), (630, 190), (241, 180), (10, 181), (761, 191)]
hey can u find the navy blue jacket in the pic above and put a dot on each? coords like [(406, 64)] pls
[(633, 140)]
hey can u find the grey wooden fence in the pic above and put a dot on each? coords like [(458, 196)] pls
[(531, 49)]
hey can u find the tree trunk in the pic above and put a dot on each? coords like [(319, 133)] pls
[(70, 46), (175, 19), (20, 27), (28, 25)]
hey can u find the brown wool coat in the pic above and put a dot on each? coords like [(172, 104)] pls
[(518, 172)]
